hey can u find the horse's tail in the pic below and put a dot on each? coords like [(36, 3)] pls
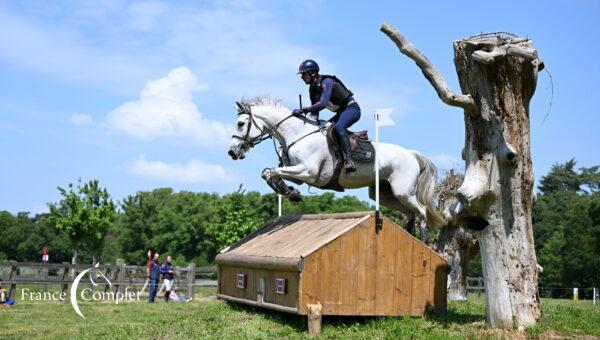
[(425, 189)]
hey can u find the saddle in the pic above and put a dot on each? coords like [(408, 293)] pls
[(361, 148)]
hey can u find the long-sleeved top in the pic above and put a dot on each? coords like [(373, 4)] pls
[(154, 271), (167, 271), (328, 93)]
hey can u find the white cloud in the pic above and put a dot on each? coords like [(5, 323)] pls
[(240, 46), (81, 119), (447, 162), (194, 171), (165, 110), (64, 52)]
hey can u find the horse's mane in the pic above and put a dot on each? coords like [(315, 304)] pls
[(263, 101)]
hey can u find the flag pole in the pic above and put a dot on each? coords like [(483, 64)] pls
[(378, 220), (279, 205), (382, 118)]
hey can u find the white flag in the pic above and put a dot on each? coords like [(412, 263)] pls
[(382, 117)]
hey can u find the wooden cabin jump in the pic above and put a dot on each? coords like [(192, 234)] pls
[(337, 263)]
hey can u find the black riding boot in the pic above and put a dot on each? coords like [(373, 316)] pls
[(347, 154)]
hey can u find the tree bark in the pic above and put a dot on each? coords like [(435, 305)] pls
[(497, 193), (457, 246), (455, 243), (74, 258), (499, 73)]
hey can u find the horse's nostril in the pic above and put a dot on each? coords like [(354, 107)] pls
[(231, 153)]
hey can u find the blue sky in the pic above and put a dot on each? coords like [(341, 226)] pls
[(140, 94)]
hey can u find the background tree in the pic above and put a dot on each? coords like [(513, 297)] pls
[(237, 217), (566, 227), (23, 237), (172, 223), (84, 215)]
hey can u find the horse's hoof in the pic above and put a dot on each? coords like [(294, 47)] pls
[(266, 173), (295, 196)]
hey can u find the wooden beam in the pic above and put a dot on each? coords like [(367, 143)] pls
[(291, 264), (255, 303)]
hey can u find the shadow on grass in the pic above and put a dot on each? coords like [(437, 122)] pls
[(452, 316), (299, 322)]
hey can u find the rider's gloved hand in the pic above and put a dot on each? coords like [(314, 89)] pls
[(297, 112)]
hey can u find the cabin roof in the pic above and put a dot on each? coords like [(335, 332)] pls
[(295, 236)]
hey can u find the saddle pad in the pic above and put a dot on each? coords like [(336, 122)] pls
[(364, 152)]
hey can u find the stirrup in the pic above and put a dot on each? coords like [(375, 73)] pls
[(349, 166)]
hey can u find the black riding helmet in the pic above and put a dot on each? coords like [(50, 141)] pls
[(307, 66)]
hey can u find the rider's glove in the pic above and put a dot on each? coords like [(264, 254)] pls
[(297, 112)]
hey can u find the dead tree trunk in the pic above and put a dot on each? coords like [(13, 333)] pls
[(497, 74), (456, 244)]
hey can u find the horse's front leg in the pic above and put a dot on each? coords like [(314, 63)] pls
[(297, 172), (275, 177)]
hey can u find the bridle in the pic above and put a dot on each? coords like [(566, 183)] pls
[(265, 133), (247, 142)]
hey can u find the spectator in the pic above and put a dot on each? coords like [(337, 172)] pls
[(153, 275), (168, 274), (4, 298), (45, 255), (174, 297)]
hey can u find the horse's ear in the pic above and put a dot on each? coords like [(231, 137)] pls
[(240, 107)]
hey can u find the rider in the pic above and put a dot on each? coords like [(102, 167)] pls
[(329, 92)]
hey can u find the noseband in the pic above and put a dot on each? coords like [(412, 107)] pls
[(266, 133), (247, 142)]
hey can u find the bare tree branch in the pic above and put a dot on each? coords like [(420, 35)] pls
[(518, 50), (429, 71)]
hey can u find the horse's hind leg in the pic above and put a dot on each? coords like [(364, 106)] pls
[(420, 213), (387, 199), (410, 225), (404, 190)]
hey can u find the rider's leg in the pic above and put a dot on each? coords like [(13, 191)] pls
[(346, 118)]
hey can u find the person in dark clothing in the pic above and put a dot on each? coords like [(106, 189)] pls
[(329, 92), (153, 275), (168, 274)]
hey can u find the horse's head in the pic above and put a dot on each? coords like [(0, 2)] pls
[(247, 133)]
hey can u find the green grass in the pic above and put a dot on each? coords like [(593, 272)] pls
[(209, 318)]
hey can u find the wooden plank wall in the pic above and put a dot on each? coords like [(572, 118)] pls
[(227, 285), (368, 273)]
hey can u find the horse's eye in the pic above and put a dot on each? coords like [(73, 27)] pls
[(240, 124)]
